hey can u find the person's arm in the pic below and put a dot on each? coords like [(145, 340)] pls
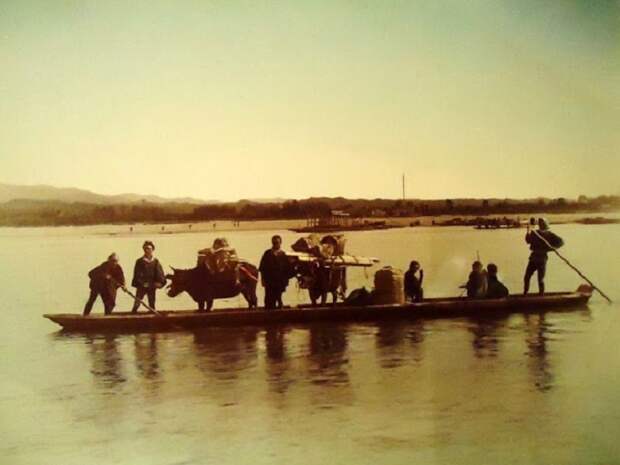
[(160, 278), (136, 272), (421, 276)]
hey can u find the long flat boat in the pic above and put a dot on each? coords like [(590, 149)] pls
[(429, 308)]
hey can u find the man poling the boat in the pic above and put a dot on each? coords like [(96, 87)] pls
[(550, 246), (105, 279), (541, 242)]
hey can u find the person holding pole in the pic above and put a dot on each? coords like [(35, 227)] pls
[(541, 242), (105, 280), (148, 276)]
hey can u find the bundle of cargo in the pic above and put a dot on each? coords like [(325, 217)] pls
[(331, 245), (220, 260), (389, 286)]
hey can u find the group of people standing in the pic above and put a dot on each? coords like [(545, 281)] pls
[(276, 271)]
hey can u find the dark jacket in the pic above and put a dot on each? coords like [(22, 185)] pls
[(538, 247), (413, 285), (275, 270), (495, 289), (148, 274), (99, 281)]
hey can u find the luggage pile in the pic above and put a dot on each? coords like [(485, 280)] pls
[(221, 261), (330, 245)]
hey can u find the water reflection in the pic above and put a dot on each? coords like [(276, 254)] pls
[(485, 340), (147, 363), (225, 352), (328, 361), (539, 366), (107, 363)]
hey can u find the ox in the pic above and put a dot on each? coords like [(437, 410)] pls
[(321, 280), (204, 286)]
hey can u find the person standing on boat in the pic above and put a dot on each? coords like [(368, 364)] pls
[(105, 280), (540, 242), (148, 276), (275, 272), (495, 288), (413, 284)]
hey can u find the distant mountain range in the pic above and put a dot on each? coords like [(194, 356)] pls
[(10, 192)]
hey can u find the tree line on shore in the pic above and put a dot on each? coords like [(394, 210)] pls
[(55, 213)]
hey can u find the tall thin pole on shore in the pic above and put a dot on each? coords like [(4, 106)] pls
[(403, 186)]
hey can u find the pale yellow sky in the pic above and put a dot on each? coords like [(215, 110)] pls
[(228, 99)]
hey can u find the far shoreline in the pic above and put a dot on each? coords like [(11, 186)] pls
[(227, 226)]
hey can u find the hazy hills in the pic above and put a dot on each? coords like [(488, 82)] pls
[(10, 192)]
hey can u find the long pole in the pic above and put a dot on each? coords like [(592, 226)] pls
[(572, 266), (135, 298)]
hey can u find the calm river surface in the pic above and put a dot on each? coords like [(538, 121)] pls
[(536, 389)]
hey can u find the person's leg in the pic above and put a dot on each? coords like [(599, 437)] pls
[(151, 296), (269, 297), (542, 270), (278, 299), (90, 302), (529, 271), (140, 292)]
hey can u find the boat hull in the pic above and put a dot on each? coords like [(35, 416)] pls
[(431, 308)]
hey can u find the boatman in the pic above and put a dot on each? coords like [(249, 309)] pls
[(105, 280), (148, 276), (275, 271), (541, 242)]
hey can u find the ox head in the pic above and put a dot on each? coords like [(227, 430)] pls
[(179, 281)]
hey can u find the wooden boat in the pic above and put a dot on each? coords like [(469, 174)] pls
[(430, 308)]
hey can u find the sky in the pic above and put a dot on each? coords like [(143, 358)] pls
[(261, 99)]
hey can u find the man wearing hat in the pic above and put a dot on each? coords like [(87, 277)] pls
[(541, 242), (105, 279), (148, 276)]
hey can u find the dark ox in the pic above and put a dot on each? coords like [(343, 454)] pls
[(204, 287), (322, 280)]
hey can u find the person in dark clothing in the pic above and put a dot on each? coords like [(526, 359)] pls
[(148, 276), (541, 242), (495, 288), (477, 283), (275, 272), (413, 284), (105, 279)]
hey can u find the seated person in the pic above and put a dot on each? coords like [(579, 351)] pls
[(413, 284), (477, 283), (495, 289)]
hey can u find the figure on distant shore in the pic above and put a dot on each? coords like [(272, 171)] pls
[(495, 288), (541, 242), (413, 283), (275, 272), (477, 283), (105, 280), (148, 276)]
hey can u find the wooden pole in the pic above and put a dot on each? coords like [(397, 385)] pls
[(572, 266)]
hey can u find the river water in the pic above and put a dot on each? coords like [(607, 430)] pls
[(535, 389)]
